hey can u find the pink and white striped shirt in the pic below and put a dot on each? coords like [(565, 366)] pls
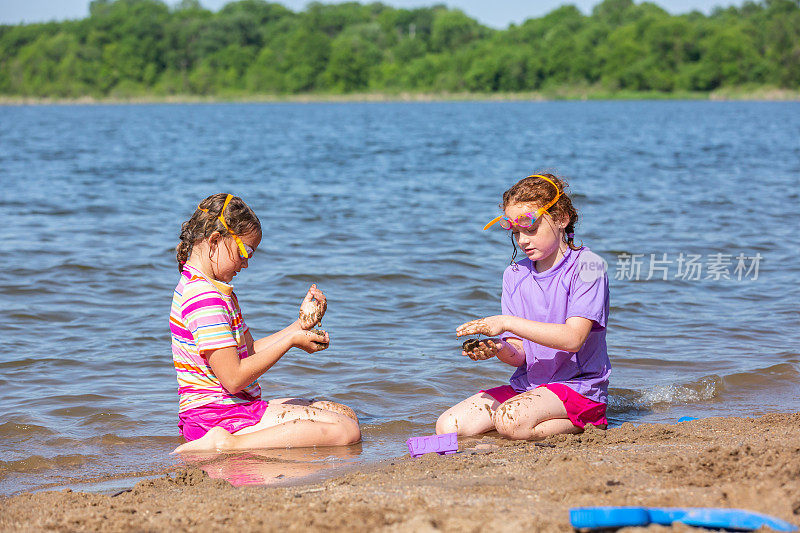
[(205, 316)]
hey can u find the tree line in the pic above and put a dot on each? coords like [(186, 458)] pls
[(129, 48)]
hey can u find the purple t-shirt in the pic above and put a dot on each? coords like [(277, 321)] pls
[(576, 286)]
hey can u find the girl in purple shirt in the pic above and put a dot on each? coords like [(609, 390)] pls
[(555, 306)]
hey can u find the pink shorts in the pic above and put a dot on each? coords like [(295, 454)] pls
[(580, 409), (194, 423)]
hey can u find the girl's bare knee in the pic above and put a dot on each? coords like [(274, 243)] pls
[(344, 410), (347, 432), (355, 432), (558, 426), (507, 422), (336, 408), (348, 412), (539, 434), (515, 432), (447, 423), (504, 415)]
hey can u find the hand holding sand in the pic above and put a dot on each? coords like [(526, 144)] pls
[(481, 349), (311, 340), (489, 326), (313, 308)]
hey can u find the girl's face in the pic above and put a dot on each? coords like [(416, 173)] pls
[(541, 242), (226, 261)]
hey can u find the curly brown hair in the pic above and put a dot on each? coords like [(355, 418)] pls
[(539, 192), (205, 220)]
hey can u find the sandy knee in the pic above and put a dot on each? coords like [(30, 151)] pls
[(346, 411), (505, 416), (336, 408), (446, 423), (507, 421)]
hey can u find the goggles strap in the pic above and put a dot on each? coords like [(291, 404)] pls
[(221, 216), (494, 220), (243, 251), (222, 212), (539, 211), (553, 201)]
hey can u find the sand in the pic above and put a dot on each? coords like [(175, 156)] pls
[(491, 485)]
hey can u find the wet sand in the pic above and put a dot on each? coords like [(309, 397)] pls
[(490, 485)]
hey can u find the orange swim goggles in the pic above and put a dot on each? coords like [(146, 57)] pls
[(244, 251), (526, 220)]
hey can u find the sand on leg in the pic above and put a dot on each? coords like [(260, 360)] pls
[(280, 412), (282, 425), (319, 404), (335, 407), (472, 416), (533, 415)]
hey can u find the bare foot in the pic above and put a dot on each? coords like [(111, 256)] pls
[(214, 440)]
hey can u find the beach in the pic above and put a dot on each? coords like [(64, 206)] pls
[(382, 205), (373, 144), (491, 484)]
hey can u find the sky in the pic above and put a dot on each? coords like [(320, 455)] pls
[(494, 13)]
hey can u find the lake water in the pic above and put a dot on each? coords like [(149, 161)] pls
[(382, 205)]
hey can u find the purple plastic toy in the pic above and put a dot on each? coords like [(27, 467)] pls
[(445, 444)]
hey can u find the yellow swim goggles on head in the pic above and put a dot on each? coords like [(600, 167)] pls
[(526, 220), (245, 251)]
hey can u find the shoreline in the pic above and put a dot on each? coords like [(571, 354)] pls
[(754, 95), (491, 484)]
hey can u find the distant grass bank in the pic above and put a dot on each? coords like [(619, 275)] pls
[(566, 94)]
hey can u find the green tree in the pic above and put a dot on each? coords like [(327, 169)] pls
[(306, 58), (728, 58), (333, 18), (263, 75), (781, 27), (452, 30), (500, 68), (52, 66), (351, 60), (132, 47), (613, 12)]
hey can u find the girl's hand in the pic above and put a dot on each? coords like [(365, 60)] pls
[(481, 349), (310, 340), (489, 326), (313, 308)]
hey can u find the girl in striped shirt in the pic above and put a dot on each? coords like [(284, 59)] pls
[(218, 361)]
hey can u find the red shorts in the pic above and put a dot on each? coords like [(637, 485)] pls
[(194, 423), (580, 409)]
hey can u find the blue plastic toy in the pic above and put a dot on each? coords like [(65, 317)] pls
[(687, 418), (614, 517), (444, 444)]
